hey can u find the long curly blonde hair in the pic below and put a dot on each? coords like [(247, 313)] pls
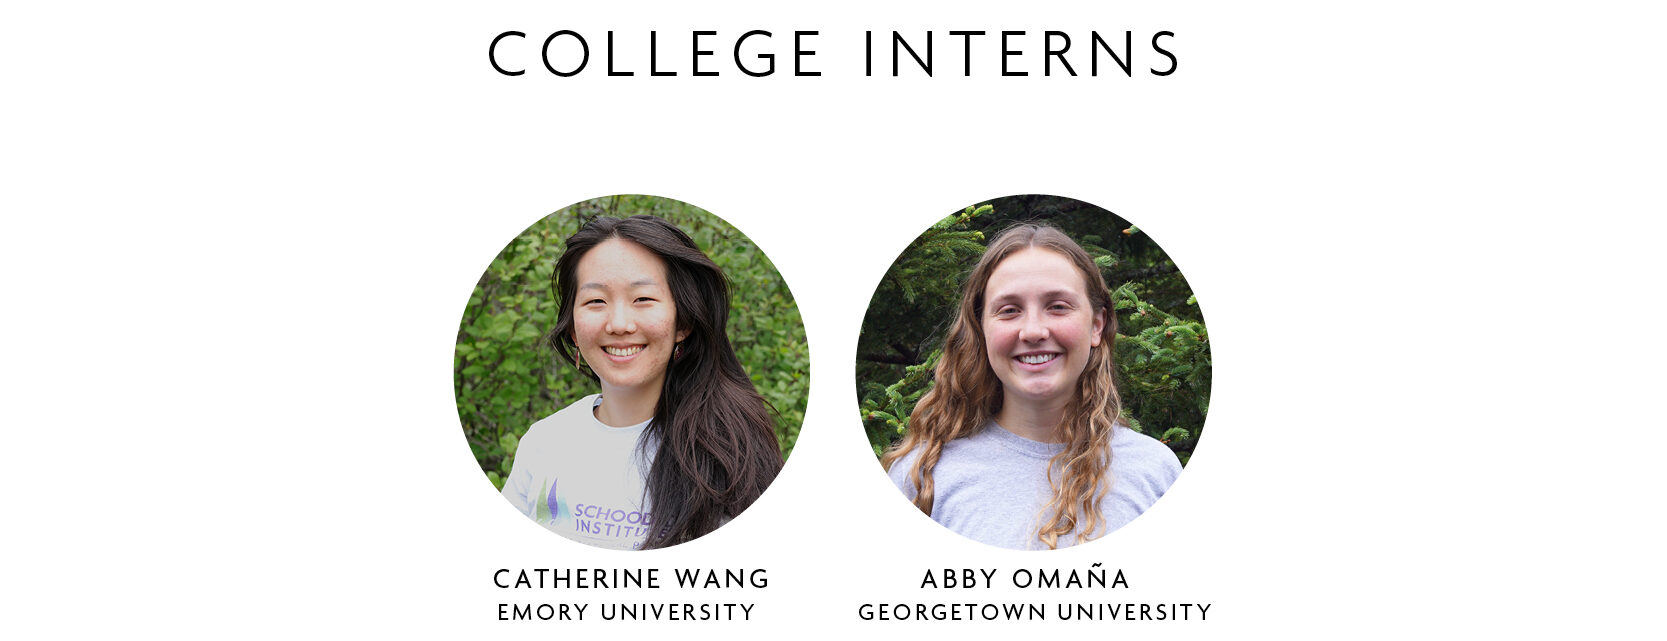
[(967, 396)]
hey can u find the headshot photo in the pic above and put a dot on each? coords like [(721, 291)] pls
[(1033, 372), (631, 372)]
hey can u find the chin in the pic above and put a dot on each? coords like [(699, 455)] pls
[(625, 382), (632, 379), (1043, 392)]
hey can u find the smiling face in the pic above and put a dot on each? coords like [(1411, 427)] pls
[(624, 319), (1039, 327)]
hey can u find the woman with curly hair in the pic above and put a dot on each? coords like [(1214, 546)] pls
[(1019, 443), (679, 441)]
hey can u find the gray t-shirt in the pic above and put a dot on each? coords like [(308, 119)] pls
[(583, 479), (990, 487)]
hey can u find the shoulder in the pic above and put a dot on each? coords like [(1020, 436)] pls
[(551, 427), (901, 469), (949, 466), (962, 459), (970, 451), (1143, 459)]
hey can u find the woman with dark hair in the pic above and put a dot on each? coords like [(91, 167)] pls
[(1020, 442), (679, 441)]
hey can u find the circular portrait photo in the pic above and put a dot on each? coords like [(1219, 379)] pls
[(631, 372), (1034, 372)]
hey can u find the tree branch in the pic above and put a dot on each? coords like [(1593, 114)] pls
[(1143, 274), (890, 359)]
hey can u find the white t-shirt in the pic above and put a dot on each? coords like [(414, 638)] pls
[(992, 486), (582, 479)]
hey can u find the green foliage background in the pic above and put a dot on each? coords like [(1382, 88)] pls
[(506, 378), (1163, 349)]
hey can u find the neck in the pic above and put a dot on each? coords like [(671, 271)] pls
[(624, 407), (1035, 421)]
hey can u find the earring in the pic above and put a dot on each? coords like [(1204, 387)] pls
[(677, 350)]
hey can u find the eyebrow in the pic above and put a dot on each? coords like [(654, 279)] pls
[(1053, 294), (645, 282)]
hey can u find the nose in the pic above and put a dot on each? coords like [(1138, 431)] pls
[(1033, 330), (620, 320)]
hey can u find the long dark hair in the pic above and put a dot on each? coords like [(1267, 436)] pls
[(717, 444)]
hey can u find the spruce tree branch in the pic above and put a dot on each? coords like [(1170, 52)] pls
[(1143, 274), (891, 359)]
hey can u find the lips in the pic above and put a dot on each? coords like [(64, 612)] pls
[(1037, 359)]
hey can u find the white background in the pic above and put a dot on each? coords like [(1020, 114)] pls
[(238, 240)]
